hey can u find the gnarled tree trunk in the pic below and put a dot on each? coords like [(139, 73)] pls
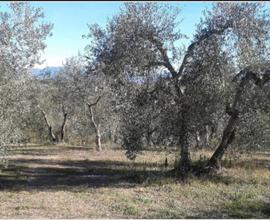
[(227, 139), (233, 112), (184, 164)]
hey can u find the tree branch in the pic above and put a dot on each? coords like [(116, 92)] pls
[(192, 46), (94, 103), (164, 55)]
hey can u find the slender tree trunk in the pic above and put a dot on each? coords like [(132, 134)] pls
[(96, 127), (198, 140), (98, 136), (207, 136), (211, 135), (110, 135), (148, 137), (62, 131), (51, 134)]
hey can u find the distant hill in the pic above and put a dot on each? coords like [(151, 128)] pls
[(50, 70)]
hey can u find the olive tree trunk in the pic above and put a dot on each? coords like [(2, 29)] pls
[(184, 163), (50, 130), (227, 139), (233, 112), (62, 131), (95, 125)]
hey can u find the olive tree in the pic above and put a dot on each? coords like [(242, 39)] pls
[(87, 95), (21, 41), (143, 36)]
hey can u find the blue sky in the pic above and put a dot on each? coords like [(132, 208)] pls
[(71, 18), (70, 21)]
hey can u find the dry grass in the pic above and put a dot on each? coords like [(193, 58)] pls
[(78, 182)]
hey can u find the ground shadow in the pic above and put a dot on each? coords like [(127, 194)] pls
[(54, 174), (46, 174)]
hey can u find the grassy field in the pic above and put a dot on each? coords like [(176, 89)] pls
[(78, 182)]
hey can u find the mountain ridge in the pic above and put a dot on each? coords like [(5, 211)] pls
[(52, 70)]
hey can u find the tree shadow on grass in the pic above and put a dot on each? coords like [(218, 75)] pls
[(85, 164), (57, 174), (33, 174)]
